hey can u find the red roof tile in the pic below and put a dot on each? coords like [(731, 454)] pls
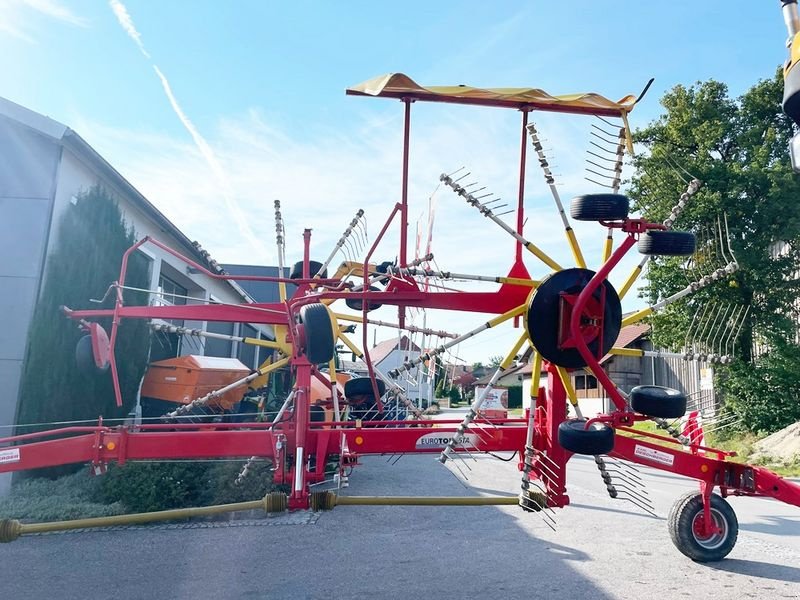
[(627, 336), (380, 351)]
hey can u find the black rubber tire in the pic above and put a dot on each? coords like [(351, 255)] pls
[(84, 356), (681, 522), (667, 243), (362, 386), (313, 267), (658, 401), (320, 343), (544, 312), (384, 266), (316, 414), (600, 207), (574, 437), (358, 304)]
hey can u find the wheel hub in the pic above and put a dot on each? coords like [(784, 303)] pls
[(709, 535), (550, 311)]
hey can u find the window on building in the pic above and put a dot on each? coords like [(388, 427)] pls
[(170, 292), (585, 382), (216, 347)]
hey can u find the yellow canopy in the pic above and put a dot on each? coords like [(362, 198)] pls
[(398, 85)]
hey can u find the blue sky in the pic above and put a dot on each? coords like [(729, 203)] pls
[(262, 84)]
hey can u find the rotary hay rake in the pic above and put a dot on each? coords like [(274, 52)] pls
[(571, 318)]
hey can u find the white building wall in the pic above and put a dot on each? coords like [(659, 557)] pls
[(39, 177), (414, 383), (28, 164), (590, 407)]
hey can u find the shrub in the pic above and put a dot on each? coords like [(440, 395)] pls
[(145, 487), (224, 489), (455, 395), (71, 497), (764, 394), (92, 238)]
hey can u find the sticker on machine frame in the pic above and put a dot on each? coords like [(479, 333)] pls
[(9, 456), (440, 440), (655, 455)]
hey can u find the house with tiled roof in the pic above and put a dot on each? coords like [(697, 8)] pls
[(625, 371), (391, 354)]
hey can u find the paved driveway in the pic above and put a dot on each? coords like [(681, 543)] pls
[(601, 549)]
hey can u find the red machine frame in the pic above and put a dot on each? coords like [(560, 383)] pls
[(289, 444)]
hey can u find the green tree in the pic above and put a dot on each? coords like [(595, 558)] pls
[(455, 395), (494, 361), (738, 148), (91, 239)]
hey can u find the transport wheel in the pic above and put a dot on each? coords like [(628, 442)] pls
[(686, 527), (545, 318), (84, 356), (313, 267), (363, 386), (599, 207), (358, 304), (658, 401), (574, 437), (318, 325), (667, 243)]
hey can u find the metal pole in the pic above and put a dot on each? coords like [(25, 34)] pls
[(523, 153), (404, 198)]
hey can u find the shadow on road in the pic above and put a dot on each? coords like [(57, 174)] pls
[(774, 525), (634, 512), (763, 570)]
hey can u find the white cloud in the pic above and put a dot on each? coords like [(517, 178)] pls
[(56, 10), (16, 31), (17, 18), (221, 180), (211, 159)]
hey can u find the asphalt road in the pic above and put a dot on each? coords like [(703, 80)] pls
[(601, 548)]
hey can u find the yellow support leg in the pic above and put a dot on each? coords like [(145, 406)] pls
[(637, 270), (576, 249), (637, 316)]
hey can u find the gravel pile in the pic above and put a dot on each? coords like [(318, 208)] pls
[(782, 446)]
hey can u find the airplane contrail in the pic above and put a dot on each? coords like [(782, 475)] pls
[(125, 20), (211, 158)]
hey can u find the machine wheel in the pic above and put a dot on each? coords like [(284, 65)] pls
[(316, 414), (658, 401), (359, 386), (318, 324), (313, 267), (545, 312), (667, 243), (84, 356), (358, 303), (574, 437), (685, 525), (599, 207)]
